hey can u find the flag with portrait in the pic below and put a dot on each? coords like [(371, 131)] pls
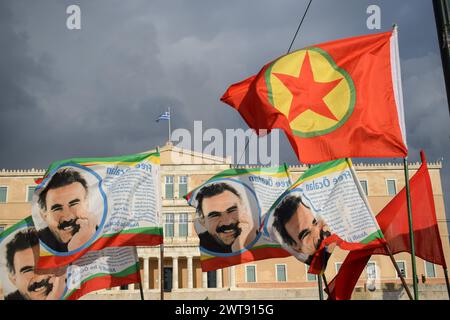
[(87, 204), (230, 210), (22, 279), (325, 207)]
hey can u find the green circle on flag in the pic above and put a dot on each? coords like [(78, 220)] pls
[(312, 91)]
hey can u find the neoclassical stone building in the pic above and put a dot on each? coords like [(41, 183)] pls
[(183, 170)]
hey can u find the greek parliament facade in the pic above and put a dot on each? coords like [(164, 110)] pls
[(284, 278)]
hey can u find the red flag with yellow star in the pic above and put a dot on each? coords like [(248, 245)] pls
[(333, 100)]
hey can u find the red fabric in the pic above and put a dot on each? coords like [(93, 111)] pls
[(393, 221), (372, 129), (320, 259), (119, 240), (341, 287), (247, 256), (104, 282)]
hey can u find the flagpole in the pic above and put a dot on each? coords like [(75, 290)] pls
[(319, 279), (161, 271), (170, 116), (388, 249), (161, 257), (325, 282), (411, 230), (441, 15), (141, 290), (319, 284), (446, 281), (139, 272)]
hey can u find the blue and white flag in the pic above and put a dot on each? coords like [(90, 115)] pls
[(164, 116)]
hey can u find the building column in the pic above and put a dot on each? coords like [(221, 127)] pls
[(232, 276), (219, 278), (204, 280), (174, 272), (146, 273), (190, 273)]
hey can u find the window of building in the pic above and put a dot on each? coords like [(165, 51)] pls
[(169, 225), (391, 187), (3, 194), (182, 186), (310, 276), (183, 225), (169, 187), (30, 192), (430, 270), (124, 287), (250, 273), (281, 272), (338, 265), (365, 187), (371, 270), (402, 266), (212, 279)]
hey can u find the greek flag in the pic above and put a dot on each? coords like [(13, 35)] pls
[(164, 116)]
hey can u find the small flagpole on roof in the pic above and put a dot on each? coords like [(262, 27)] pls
[(169, 123), (166, 116)]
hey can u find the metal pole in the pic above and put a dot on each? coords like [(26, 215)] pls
[(446, 281), (319, 278), (319, 283), (161, 251), (140, 286), (161, 257), (141, 290), (170, 119), (325, 282), (388, 249), (441, 14), (411, 230), (139, 271)]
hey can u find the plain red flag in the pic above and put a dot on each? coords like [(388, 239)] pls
[(333, 100), (393, 221)]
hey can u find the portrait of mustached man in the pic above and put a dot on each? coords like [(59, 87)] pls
[(22, 253), (299, 228), (64, 207), (228, 223)]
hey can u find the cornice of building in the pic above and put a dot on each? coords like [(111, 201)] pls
[(22, 172), (358, 166), (396, 166), (215, 161)]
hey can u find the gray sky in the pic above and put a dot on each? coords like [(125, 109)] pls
[(98, 91)]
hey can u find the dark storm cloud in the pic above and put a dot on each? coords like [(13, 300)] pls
[(18, 71), (24, 80), (98, 91), (109, 94)]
